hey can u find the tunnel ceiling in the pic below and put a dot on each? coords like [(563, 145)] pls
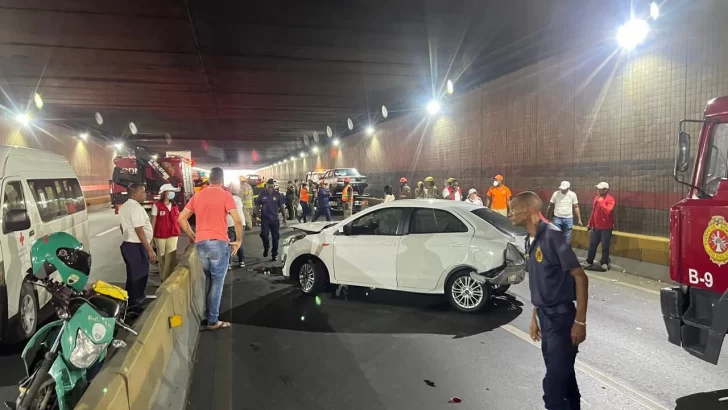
[(224, 78)]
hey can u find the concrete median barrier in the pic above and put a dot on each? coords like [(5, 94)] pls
[(98, 200), (153, 371)]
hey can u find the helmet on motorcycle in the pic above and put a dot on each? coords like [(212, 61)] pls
[(63, 253), (403, 180)]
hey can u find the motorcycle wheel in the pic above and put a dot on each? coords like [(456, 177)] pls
[(41, 394)]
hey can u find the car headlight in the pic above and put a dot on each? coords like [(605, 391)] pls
[(288, 241), (86, 352), (514, 256)]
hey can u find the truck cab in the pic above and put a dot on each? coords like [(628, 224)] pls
[(696, 311)]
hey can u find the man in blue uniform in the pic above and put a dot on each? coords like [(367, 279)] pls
[(323, 207), (556, 279), (268, 205)]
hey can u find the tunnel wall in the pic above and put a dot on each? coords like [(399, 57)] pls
[(92, 160), (584, 115)]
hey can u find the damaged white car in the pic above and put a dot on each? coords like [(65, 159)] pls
[(423, 246)]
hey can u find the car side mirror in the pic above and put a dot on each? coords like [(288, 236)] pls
[(347, 229), (682, 158), (16, 220)]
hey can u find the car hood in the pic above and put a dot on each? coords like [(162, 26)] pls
[(313, 227)]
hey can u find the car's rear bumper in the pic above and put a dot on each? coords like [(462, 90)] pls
[(503, 275)]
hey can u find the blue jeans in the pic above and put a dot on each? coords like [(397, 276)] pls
[(232, 236), (323, 211), (597, 236), (214, 255), (560, 390), (566, 225), (304, 207)]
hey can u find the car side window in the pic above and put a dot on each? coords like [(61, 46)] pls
[(381, 222), (13, 198), (428, 221)]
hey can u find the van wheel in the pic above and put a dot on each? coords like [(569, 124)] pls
[(312, 277), (27, 312), (465, 294)]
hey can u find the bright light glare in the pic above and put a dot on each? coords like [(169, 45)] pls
[(336, 142), (315, 150), (293, 158), (450, 87), (23, 119), (84, 136), (632, 33), (155, 157), (654, 11), (370, 130), (285, 160), (119, 145), (433, 107), (303, 154)]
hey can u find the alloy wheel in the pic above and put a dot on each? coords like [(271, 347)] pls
[(306, 277), (466, 292), (28, 313)]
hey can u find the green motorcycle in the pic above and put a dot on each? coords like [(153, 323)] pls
[(64, 355)]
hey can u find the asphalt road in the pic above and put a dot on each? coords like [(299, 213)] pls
[(384, 350), (107, 265)]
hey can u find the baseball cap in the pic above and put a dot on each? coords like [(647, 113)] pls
[(168, 187), (472, 191), (602, 185), (564, 185)]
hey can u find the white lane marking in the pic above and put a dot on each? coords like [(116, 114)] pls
[(595, 374), (110, 230), (629, 285)]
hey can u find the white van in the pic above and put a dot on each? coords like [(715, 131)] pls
[(40, 195)]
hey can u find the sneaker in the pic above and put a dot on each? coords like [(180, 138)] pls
[(242, 264), (274, 258), (605, 267), (230, 267), (265, 253)]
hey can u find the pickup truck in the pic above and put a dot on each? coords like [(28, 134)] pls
[(334, 180)]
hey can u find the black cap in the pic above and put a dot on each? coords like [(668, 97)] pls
[(271, 182)]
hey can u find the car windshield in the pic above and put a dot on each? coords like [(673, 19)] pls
[(500, 222), (346, 172)]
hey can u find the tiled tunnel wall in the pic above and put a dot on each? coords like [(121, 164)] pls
[(92, 160), (582, 116)]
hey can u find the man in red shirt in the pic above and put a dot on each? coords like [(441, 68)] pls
[(211, 208), (600, 226)]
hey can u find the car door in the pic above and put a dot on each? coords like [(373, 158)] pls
[(435, 241), (15, 243), (368, 255)]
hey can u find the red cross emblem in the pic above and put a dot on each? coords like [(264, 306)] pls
[(22, 239)]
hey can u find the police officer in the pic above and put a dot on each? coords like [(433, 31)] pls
[(347, 198), (556, 279), (323, 206), (268, 205)]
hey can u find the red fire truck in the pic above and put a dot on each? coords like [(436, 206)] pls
[(146, 169), (696, 311)]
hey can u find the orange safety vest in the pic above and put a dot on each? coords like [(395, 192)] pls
[(345, 194), (303, 195)]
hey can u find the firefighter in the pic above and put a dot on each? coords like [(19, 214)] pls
[(347, 198), (430, 190), (405, 191), (246, 195), (420, 190)]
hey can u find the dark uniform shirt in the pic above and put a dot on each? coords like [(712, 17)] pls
[(270, 205), (323, 198), (550, 259)]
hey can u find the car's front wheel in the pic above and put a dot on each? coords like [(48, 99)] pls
[(312, 277), (466, 294)]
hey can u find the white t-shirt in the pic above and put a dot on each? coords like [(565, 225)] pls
[(564, 204), (239, 205), (476, 201), (133, 215), (155, 210), (388, 198), (446, 193)]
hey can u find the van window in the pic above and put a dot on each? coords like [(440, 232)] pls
[(57, 197), (13, 198)]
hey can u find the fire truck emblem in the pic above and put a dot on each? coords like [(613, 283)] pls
[(715, 240)]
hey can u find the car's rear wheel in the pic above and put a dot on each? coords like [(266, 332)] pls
[(312, 277), (466, 294)]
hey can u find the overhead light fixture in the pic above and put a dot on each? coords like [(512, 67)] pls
[(133, 128), (99, 118), (83, 136), (285, 160), (119, 145), (315, 150), (450, 87), (370, 130), (433, 107), (38, 100), (329, 131), (315, 136), (632, 33), (385, 112), (23, 119), (654, 11), (303, 154), (350, 124), (336, 142), (293, 158)]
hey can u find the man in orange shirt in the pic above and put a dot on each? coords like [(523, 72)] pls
[(211, 207), (499, 196)]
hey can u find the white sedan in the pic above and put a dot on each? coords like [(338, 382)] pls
[(423, 246)]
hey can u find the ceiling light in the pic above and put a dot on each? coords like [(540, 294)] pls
[(336, 142), (370, 130), (84, 136), (654, 11), (329, 131), (293, 158), (385, 112), (285, 160), (99, 118), (433, 107), (450, 87), (155, 157), (632, 33), (38, 101), (133, 128), (315, 150), (350, 124), (23, 119), (303, 154), (119, 145)]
